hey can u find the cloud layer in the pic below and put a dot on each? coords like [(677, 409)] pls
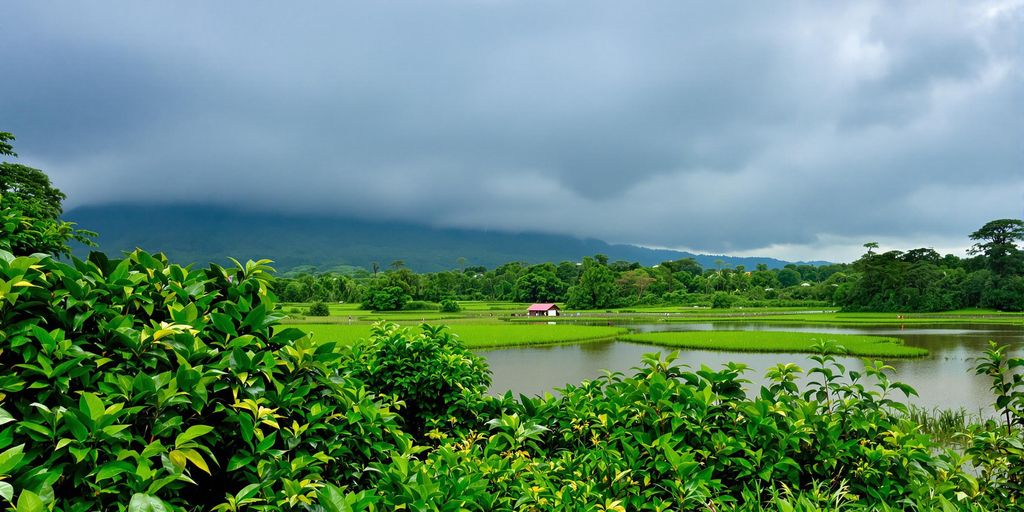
[(797, 130)]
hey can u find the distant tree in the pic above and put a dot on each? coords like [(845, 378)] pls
[(871, 246), (5, 144), (997, 240), (596, 287), (636, 282), (385, 298), (31, 208), (789, 277), (539, 283), (376, 268)]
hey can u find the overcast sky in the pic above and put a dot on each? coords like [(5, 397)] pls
[(795, 130)]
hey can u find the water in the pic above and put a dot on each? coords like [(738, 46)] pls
[(943, 379)]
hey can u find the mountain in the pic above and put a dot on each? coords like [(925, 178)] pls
[(203, 233)]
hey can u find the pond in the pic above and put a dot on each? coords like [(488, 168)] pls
[(944, 379)]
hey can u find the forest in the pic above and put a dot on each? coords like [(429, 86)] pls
[(915, 280)]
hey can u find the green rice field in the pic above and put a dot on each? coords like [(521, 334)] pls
[(764, 341), (480, 335)]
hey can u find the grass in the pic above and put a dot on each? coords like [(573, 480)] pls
[(764, 341), (481, 335), (943, 425)]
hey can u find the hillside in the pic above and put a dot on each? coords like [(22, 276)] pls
[(200, 233)]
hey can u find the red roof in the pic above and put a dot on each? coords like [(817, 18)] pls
[(542, 307)]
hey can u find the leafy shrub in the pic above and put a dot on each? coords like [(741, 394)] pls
[(386, 298), (721, 301), (138, 377), (419, 305), (450, 306), (671, 439), (318, 309), (431, 373), (997, 448)]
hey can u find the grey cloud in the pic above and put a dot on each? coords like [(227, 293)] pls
[(723, 127)]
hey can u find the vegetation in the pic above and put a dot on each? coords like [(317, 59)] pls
[(30, 209), (318, 309), (137, 384), (450, 306), (918, 280), (767, 341), (479, 335)]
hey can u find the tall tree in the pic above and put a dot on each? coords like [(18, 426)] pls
[(997, 240), (595, 289), (31, 208)]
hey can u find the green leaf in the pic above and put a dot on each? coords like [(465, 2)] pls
[(5, 417), (10, 458), (29, 501), (6, 491), (192, 433), (91, 405), (146, 503), (238, 461), (332, 499)]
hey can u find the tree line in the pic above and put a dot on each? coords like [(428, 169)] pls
[(991, 276)]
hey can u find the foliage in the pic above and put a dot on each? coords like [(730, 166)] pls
[(671, 439), (318, 309), (30, 208), (998, 450), (430, 373), (595, 289), (450, 306), (139, 378), (771, 341), (382, 297), (721, 301), (998, 240)]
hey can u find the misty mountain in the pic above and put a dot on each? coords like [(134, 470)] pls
[(202, 233)]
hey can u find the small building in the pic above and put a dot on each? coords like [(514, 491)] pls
[(543, 310)]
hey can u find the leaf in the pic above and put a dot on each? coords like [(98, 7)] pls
[(332, 499), (5, 417), (146, 503), (238, 461), (6, 491), (192, 433), (197, 459), (91, 405), (10, 458), (29, 501), (178, 458)]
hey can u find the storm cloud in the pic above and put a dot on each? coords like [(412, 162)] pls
[(797, 130)]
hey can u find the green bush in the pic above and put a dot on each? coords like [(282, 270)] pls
[(431, 373), (419, 305), (141, 378), (318, 309), (721, 301), (450, 306)]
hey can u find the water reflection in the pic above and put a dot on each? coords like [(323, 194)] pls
[(944, 379)]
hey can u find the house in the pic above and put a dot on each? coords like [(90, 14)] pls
[(543, 310)]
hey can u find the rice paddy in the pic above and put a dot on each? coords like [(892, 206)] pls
[(764, 341), (481, 335)]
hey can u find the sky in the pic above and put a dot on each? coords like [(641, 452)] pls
[(799, 130)]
